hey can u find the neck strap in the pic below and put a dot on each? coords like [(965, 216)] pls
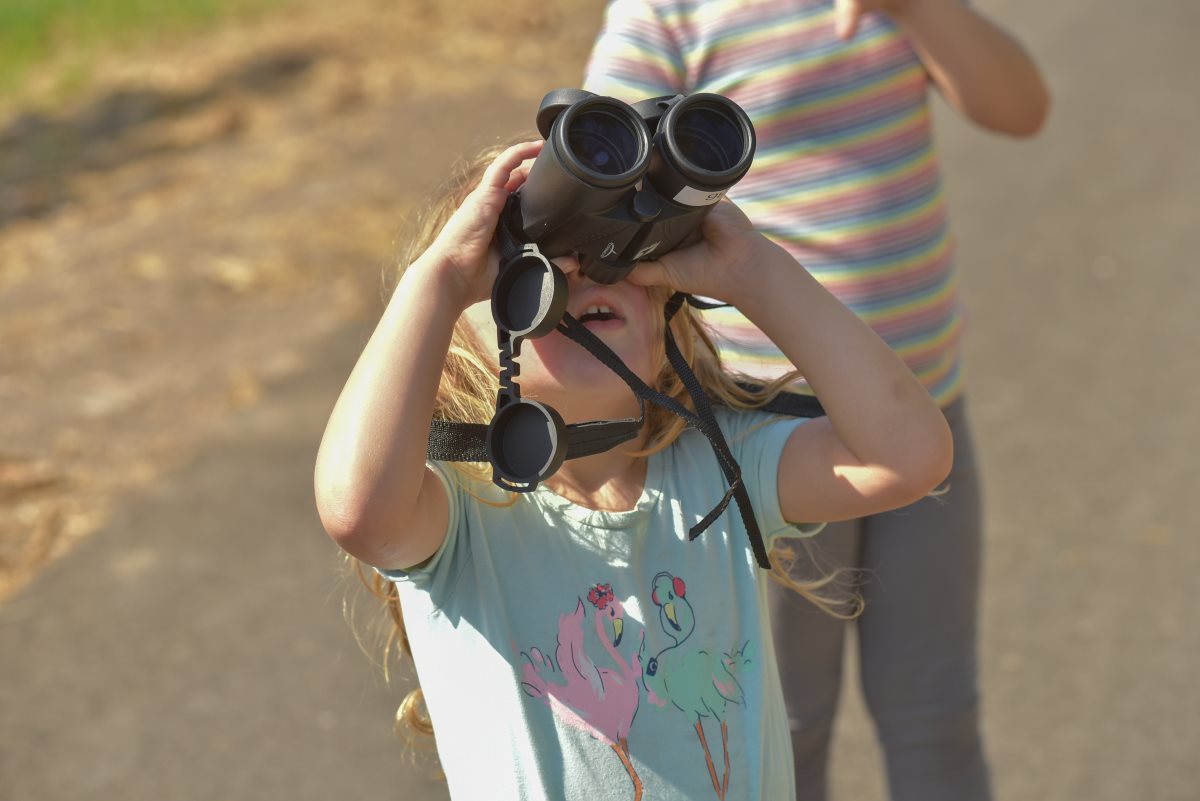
[(453, 441)]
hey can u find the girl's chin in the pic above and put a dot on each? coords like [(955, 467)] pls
[(583, 397), (567, 362), (565, 374), (581, 394)]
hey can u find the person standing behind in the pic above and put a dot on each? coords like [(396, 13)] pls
[(847, 180)]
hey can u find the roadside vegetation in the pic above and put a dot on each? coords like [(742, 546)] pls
[(64, 38)]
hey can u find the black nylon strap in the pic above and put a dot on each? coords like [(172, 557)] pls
[(508, 240), (792, 404), (466, 442), (729, 465), (598, 436), (456, 442), (451, 441)]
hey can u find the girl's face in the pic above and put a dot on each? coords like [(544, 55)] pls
[(557, 371)]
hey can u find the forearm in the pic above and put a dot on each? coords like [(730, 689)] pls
[(371, 464), (880, 412), (980, 70)]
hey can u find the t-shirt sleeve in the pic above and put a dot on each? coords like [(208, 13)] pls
[(636, 55), (756, 440), (436, 571)]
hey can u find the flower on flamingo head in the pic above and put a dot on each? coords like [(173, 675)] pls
[(600, 596)]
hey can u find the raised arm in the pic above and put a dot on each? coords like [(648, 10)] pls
[(375, 496), (884, 442), (979, 68)]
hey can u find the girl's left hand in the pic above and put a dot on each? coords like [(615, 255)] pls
[(716, 266), (464, 244), (848, 13)]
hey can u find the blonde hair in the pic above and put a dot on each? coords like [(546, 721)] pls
[(467, 389)]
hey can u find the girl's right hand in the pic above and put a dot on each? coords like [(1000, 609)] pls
[(464, 246), (726, 261)]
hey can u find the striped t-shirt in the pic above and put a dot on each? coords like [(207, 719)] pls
[(844, 177)]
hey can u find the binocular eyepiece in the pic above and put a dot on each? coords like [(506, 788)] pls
[(617, 184)]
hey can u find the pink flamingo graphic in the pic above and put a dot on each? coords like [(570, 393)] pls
[(598, 700)]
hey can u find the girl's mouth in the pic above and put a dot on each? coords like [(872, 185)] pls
[(600, 317)]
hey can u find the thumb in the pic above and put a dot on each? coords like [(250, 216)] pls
[(649, 273), (846, 14)]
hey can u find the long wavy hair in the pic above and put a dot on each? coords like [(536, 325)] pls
[(466, 393)]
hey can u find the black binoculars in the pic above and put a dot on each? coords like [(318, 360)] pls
[(617, 184), (614, 184)]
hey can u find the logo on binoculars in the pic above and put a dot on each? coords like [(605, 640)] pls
[(611, 251), (646, 251)]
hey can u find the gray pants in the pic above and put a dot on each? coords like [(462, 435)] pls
[(917, 642)]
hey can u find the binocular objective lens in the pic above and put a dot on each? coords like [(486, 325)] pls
[(603, 142), (709, 139)]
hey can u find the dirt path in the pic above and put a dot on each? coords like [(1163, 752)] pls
[(177, 238)]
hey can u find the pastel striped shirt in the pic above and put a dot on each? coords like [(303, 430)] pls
[(845, 177)]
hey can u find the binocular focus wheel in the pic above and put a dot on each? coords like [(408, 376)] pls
[(530, 296), (526, 442)]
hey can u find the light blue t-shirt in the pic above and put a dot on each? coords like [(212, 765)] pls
[(567, 653)]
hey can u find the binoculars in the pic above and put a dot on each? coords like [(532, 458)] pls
[(617, 183), (614, 184)]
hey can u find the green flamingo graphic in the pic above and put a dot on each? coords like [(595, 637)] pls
[(700, 683)]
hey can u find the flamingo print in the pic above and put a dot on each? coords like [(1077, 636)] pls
[(598, 700), (698, 682)]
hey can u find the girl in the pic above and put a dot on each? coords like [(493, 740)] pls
[(572, 642)]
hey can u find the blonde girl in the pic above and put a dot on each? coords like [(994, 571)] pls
[(572, 642)]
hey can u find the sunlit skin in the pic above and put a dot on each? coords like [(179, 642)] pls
[(981, 71)]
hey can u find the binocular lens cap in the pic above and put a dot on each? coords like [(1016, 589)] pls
[(527, 441), (530, 296)]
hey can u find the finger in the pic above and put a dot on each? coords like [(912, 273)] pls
[(566, 264), (489, 194), (493, 260), (498, 172), (649, 273), (519, 176), (847, 13)]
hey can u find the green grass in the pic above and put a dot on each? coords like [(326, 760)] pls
[(33, 32)]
